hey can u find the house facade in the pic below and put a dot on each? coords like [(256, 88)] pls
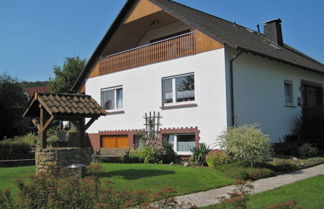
[(198, 73)]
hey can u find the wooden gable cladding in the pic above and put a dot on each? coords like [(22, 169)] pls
[(94, 72), (187, 44), (142, 9), (205, 43)]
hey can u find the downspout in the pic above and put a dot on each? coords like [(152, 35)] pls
[(232, 86)]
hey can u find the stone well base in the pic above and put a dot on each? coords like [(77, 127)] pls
[(59, 157)]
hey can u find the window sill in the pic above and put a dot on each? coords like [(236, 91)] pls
[(115, 112), (175, 106), (290, 105), (183, 153)]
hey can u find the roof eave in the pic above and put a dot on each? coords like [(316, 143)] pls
[(279, 60)]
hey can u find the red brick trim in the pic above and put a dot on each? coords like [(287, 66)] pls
[(131, 132), (94, 140), (186, 130)]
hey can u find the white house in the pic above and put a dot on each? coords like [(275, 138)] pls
[(200, 73)]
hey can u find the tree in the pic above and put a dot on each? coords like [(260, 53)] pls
[(12, 104), (246, 143), (30, 84), (66, 75)]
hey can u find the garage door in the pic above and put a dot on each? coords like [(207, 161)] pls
[(115, 142)]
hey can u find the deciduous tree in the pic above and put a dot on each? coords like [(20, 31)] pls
[(12, 103), (66, 75)]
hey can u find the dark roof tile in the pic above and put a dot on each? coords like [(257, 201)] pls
[(237, 36), (76, 104), (223, 31)]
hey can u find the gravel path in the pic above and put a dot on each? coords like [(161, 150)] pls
[(207, 198)]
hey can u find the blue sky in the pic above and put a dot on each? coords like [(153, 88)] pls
[(35, 35)]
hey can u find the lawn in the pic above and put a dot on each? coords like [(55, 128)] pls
[(9, 175), (151, 177), (307, 193)]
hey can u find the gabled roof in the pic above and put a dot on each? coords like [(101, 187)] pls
[(68, 104), (223, 31), (237, 36)]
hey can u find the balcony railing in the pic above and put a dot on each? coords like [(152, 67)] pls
[(167, 49)]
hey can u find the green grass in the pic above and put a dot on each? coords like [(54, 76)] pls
[(154, 177), (151, 177), (8, 176), (308, 193)]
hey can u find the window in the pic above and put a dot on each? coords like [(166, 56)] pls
[(112, 98), (178, 89), (181, 143), (138, 141), (288, 93)]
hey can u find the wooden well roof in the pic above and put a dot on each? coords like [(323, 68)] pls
[(77, 105)]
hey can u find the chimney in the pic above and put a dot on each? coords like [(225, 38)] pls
[(272, 31)]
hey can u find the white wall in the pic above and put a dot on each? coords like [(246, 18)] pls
[(259, 93), (142, 93)]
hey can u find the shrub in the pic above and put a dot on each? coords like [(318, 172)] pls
[(151, 154), (285, 148), (13, 150), (309, 127), (307, 150), (199, 154), (244, 175), (247, 143), (157, 153), (29, 139), (6, 200), (134, 156), (168, 155), (259, 173), (214, 159), (53, 140)]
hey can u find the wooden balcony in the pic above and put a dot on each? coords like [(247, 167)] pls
[(172, 48)]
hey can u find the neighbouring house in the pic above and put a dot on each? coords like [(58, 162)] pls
[(29, 92), (200, 73)]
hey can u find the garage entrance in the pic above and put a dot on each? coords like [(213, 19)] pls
[(114, 142)]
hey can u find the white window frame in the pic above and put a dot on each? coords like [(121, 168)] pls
[(289, 82), (175, 143), (174, 90), (115, 88)]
